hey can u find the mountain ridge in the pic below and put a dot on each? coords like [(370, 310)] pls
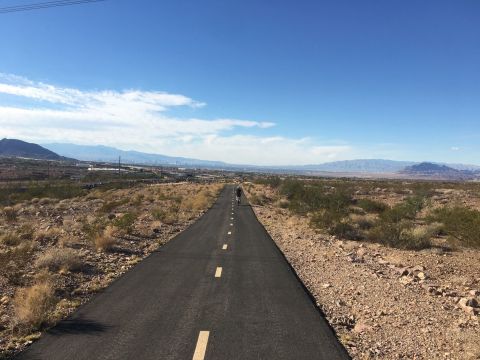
[(19, 148)]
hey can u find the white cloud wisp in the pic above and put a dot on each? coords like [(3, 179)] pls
[(134, 119)]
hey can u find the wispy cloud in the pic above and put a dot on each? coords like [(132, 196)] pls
[(135, 119)]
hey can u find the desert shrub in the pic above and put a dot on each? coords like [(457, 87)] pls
[(256, 199), (346, 230), (406, 210), (165, 216), (106, 240), (26, 232), (284, 204), (461, 224), (272, 181), (138, 200), (198, 201), (48, 235), (125, 222), (10, 239), (15, 260), (9, 213), (395, 226), (33, 305), (45, 201), (59, 259), (111, 205), (158, 214), (92, 229), (390, 233), (363, 222), (372, 206), (55, 190)]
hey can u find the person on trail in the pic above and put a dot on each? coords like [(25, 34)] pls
[(238, 193)]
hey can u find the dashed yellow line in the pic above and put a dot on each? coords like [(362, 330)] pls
[(201, 347)]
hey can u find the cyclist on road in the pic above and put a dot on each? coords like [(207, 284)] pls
[(238, 193)]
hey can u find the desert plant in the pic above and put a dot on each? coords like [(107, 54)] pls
[(372, 206), (461, 224), (106, 240), (60, 259), (10, 214), (33, 305), (125, 222), (111, 205), (10, 239), (166, 216)]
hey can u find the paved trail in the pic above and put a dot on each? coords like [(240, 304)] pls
[(219, 290)]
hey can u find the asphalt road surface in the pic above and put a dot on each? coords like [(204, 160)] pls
[(220, 290)]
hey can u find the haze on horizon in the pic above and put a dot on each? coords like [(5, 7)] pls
[(248, 83)]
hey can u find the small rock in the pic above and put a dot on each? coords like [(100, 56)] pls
[(361, 327), (421, 275)]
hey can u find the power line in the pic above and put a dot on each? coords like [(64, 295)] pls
[(44, 5)]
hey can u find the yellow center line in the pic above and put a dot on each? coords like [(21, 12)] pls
[(224, 247), (201, 347), (218, 272)]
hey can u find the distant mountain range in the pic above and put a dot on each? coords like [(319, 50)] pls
[(361, 166), (18, 148), (99, 153), (110, 154)]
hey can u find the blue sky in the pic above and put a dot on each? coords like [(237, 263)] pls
[(262, 82)]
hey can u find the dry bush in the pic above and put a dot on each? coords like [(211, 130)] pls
[(10, 239), (60, 259), (200, 201), (26, 232), (167, 216), (51, 234), (10, 214), (33, 305), (106, 240), (45, 201)]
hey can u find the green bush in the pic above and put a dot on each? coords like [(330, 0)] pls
[(372, 206), (395, 226), (461, 224), (125, 222)]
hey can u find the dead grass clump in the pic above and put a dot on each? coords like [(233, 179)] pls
[(51, 234), (166, 216), (111, 205), (10, 214), (60, 259), (106, 240), (33, 305), (10, 239), (26, 232)]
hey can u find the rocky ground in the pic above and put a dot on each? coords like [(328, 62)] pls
[(385, 303), (78, 247)]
